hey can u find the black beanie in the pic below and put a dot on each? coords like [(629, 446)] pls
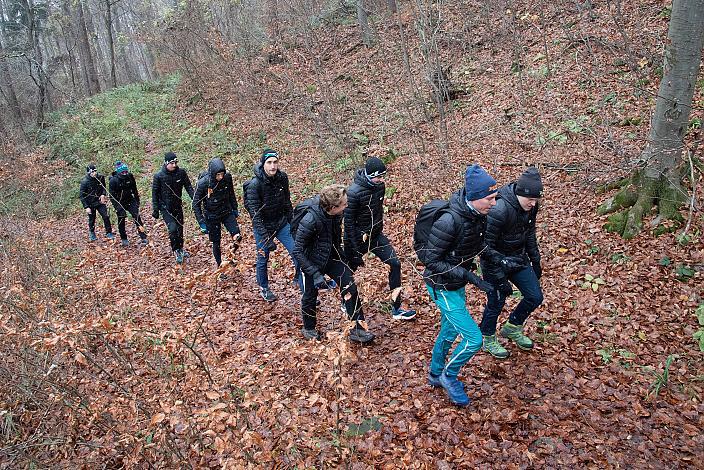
[(90, 168), (169, 157), (374, 167), (267, 154), (529, 183)]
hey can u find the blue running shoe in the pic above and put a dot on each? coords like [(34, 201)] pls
[(455, 390), (403, 314)]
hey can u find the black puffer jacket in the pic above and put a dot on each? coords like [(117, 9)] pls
[(510, 231), (364, 213), (214, 199), (318, 239), (167, 188), (123, 189), (91, 190), (456, 238), (268, 200)]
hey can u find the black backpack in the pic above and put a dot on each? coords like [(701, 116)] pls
[(300, 211), (428, 214)]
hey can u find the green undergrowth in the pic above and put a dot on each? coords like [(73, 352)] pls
[(137, 124)]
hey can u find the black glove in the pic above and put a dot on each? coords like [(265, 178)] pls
[(356, 263), (479, 282), (511, 264), (155, 214), (270, 245), (536, 268), (505, 288), (320, 282)]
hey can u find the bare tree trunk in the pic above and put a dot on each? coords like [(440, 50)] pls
[(111, 42), (658, 180), (95, 44), (36, 61), (87, 62), (392, 6), (9, 88), (363, 19)]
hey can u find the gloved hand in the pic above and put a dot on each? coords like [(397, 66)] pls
[(321, 283), (505, 288), (356, 263), (479, 282), (236, 213), (270, 245), (511, 264), (155, 214), (203, 227), (537, 269)]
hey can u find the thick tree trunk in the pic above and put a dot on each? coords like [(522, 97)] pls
[(363, 19), (658, 181), (87, 62)]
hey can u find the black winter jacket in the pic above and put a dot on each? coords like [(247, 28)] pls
[(123, 190), (214, 199), (318, 239), (91, 190), (268, 200), (167, 188), (364, 213), (510, 232), (456, 238)]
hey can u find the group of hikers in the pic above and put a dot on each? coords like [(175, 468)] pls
[(328, 235)]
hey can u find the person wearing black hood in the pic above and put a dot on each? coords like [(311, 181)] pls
[(364, 222), (267, 198), (318, 250), (215, 204), (167, 189), (512, 257), (93, 195), (455, 240), (125, 199)]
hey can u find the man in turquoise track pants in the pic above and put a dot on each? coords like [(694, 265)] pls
[(455, 239)]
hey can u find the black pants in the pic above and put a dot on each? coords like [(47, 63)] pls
[(381, 247), (131, 207), (342, 274), (102, 209), (214, 226), (174, 223)]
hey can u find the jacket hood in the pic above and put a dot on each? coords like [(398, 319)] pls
[(215, 166), (360, 177), (508, 194), (458, 204)]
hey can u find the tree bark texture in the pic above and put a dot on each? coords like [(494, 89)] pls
[(86, 56), (658, 180)]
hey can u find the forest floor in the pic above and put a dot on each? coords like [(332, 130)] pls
[(149, 363)]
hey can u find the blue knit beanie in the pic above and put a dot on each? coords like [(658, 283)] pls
[(267, 154), (477, 183), (121, 167)]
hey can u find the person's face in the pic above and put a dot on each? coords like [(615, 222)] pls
[(484, 205), (378, 179), (527, 203), (339, 209), (171, 166), (219, 176), (93, 173), (271, 166)]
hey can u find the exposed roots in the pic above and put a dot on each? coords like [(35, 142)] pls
[(636, 199)]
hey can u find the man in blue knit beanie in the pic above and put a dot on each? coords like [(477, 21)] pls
[(455, 239)]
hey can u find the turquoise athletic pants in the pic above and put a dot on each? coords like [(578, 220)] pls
[(455, 321)]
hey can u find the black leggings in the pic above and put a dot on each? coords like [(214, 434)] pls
[(102, 209), (342, 274), (132, 208), (174, 223)]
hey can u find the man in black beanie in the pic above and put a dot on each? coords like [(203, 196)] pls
[(93, 195), (364, 221), (267, 198), (512, 257), (167, 188)]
